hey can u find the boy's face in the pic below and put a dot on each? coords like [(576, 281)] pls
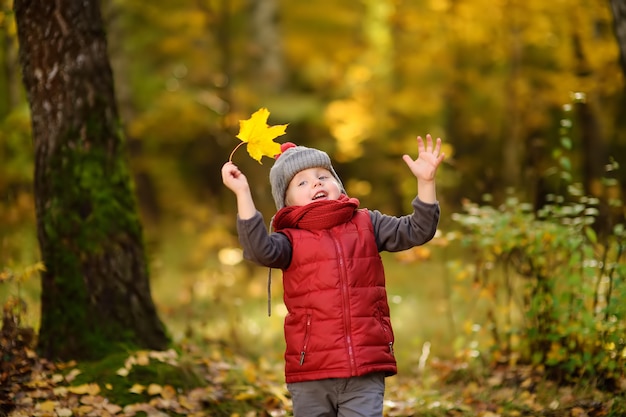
[(312, 184)]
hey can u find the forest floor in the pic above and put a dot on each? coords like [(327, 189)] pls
[(217, 382)]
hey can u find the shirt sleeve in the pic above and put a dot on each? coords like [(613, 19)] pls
[(261, 247), (394, 234)]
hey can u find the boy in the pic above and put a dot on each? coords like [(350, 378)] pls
[(339, 340)]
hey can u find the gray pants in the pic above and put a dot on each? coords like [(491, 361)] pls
[(339, 397)]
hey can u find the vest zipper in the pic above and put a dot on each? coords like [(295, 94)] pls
[(307, 333), (346, 303)]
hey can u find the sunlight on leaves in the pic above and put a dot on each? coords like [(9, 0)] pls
[(4, 275)]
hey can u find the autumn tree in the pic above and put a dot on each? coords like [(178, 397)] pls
[(95, 291)]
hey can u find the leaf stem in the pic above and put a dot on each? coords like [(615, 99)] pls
[(230, 158)]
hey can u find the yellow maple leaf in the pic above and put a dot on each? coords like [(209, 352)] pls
[(259, 135)]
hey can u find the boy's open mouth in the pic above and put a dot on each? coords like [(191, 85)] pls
[(319, 195)]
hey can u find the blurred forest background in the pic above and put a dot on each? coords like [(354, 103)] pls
[(526, 95)]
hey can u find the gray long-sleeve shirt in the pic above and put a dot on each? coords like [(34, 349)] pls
[(392, 234)]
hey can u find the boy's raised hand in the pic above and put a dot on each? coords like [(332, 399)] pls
[(234, 179), (425, 166)]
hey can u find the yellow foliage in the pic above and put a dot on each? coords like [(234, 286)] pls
[(469, 327), (462, 275), (487, 293), (416, 254), (350, 122), (557, 352), (250, 372), (21, 276)]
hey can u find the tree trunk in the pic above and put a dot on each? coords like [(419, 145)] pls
[(266, 46), (513, 148), (95, 291)]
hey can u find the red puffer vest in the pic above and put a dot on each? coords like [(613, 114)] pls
[(338, 324)]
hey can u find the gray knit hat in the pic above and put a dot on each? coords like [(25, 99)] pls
[(292, 160)]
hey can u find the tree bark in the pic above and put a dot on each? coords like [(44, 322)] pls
[(95, 291)]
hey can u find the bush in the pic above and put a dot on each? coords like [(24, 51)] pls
[(559, 288), (556, 278)]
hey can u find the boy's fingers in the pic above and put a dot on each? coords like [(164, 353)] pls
[(420, 144), (408, 160)]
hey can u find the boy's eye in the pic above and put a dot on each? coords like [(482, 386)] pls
[(323, 177)]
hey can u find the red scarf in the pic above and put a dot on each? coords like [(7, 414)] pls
[(316, 215)]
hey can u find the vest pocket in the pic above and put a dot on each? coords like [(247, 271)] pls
[(386, 329), (305, 342)]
